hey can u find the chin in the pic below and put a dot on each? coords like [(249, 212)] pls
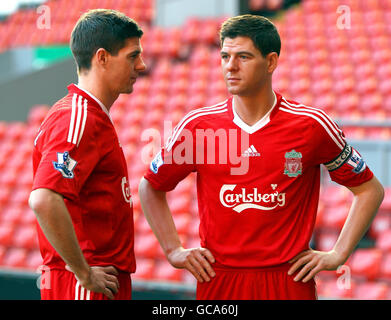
[(127, 90), (234, 91)]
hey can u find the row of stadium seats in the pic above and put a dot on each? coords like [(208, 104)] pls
[(337, 68), (364, 290), (54, 23)]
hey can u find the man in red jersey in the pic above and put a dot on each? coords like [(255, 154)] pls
[(81, 194), (256, 223)]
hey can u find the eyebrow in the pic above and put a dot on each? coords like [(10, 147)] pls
[(239, 53), (134, 53)]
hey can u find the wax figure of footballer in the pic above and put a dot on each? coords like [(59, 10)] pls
[(81, 194), (255, 227)]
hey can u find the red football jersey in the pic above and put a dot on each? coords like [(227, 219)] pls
[(78, 155), (258, 186)]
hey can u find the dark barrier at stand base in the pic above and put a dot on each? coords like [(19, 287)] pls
[(19, 285)]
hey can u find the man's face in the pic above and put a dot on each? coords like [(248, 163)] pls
[(124, 68), (245, 70)]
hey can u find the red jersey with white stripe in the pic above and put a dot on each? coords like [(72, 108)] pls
[(78, 155), (258, 186)]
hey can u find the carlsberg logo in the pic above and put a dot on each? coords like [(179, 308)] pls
[(244, 199)]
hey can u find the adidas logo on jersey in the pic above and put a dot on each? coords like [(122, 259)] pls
[(251, 152)]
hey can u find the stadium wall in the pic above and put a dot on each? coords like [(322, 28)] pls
[(18, 285), (20, 93), (168, 10)]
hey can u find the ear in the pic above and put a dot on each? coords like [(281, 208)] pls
[(272, 59), (101, 57)]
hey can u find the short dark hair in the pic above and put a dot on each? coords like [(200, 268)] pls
[(101, 28), (259, 29)]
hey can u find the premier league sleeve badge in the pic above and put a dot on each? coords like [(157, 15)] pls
[(65, 164)]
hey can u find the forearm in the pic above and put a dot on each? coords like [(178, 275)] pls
[(55, 222), (366, 202), (159, 217)]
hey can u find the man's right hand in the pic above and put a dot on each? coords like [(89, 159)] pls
[(196, 260), (100, 279)]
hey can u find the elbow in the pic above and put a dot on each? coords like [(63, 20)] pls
[(41, 200), (381, 193), (147, 193), (378, 192), (35, 202), (142, 186)]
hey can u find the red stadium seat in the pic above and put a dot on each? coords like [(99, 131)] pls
[(6, 234), (380, 224), (179, 86), (145, 269), (365, 263), (15, 131), (194, 228), (12, 215), (4, 196), (371, 291), (25, 236), (146, 246), (172, 40), (182, 223), (37, 114), (334, 217), (383, 241), (385, 267), (386, 204), (190, 31), (193, 242), (325, 240), (179, 204), (335, 289), (34, 260), (9, 178), (20, 197), (165, 271), (28, 216), (15, 258), (335, 195), (3, 250)]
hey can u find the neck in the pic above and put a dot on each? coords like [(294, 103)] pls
[(251, 109), (98, 89)]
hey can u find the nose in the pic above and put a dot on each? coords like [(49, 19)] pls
[(231, 64), (141, 66)]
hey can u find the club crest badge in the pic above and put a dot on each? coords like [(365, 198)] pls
[(65, 164), (293, 165)]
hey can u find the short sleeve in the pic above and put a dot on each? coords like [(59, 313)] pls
[(345, 164), (173, 163), (67, 158)]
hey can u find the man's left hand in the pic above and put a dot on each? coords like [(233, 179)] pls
[(311, 262)]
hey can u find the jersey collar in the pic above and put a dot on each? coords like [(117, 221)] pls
[(261, 122), (75, 88)]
